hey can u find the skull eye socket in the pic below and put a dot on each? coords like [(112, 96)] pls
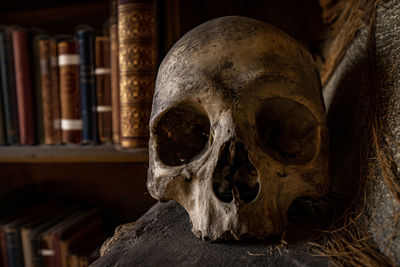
[(287, 131), (182, 133)]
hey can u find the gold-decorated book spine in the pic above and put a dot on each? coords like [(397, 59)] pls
[(137, 64), (116, 124), (46, 90)]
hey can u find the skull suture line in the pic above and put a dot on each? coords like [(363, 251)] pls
[(238, 128)]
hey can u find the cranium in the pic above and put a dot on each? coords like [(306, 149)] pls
[(238, 128)]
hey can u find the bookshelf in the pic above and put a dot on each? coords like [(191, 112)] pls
[(70, 154), (101, 175)]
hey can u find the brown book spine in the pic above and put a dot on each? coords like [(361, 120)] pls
[(71, 121), (137, 64), (115, 82), (46, 89), (24, 88), (55, 93), (103, 88)]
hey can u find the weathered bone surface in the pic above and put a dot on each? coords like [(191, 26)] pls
[(238, 128)]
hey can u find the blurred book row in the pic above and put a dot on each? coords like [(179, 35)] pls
[(46, 232), (78, 88), (55, 89)]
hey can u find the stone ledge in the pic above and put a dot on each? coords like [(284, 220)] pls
[(162, 237)]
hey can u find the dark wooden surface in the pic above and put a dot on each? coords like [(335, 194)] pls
[(71, 153)]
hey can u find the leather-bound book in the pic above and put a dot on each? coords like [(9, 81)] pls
[(51, 236), (103, 88), (2, 122), (24, 86), (114, 81), (85, 35), (8, 87), (137, 64), (71, 121), (31, 234), (87, 231), (46, 86), (55, 92), (33, 35), (2, 126)]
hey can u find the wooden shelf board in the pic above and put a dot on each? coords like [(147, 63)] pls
[(70, 153)]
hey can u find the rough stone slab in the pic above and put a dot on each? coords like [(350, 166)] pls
[(162, 237)]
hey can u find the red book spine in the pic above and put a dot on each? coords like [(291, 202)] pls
[(24, 88)]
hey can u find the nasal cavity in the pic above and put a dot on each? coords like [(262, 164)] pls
[(234, 174)]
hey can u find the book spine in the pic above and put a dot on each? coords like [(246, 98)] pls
[(137, 63), (83, 261), (68, 62), (55, 93), (3, 248), (46, 91), (26, 247), (47, 249), (37, 258), (33, 36), (2, 122), (86, 81), (14, 249), (103, 82), (114, 82), (8, 87), (24, 88)]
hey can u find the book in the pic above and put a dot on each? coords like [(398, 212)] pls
[(68, 62), (83, 253), (32, 35), (24, 86), (86, 35), (43, 44), (114, 79), (55, 94), (2, 123), (30, 234), (3, 249), (91, 255), (11, 231), (47, 248), (103, 89), (50, 238), (63, 244), (8, 86), (12, 201), (137, 66)]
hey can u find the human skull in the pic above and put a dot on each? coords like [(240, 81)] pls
[(237, 129)]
